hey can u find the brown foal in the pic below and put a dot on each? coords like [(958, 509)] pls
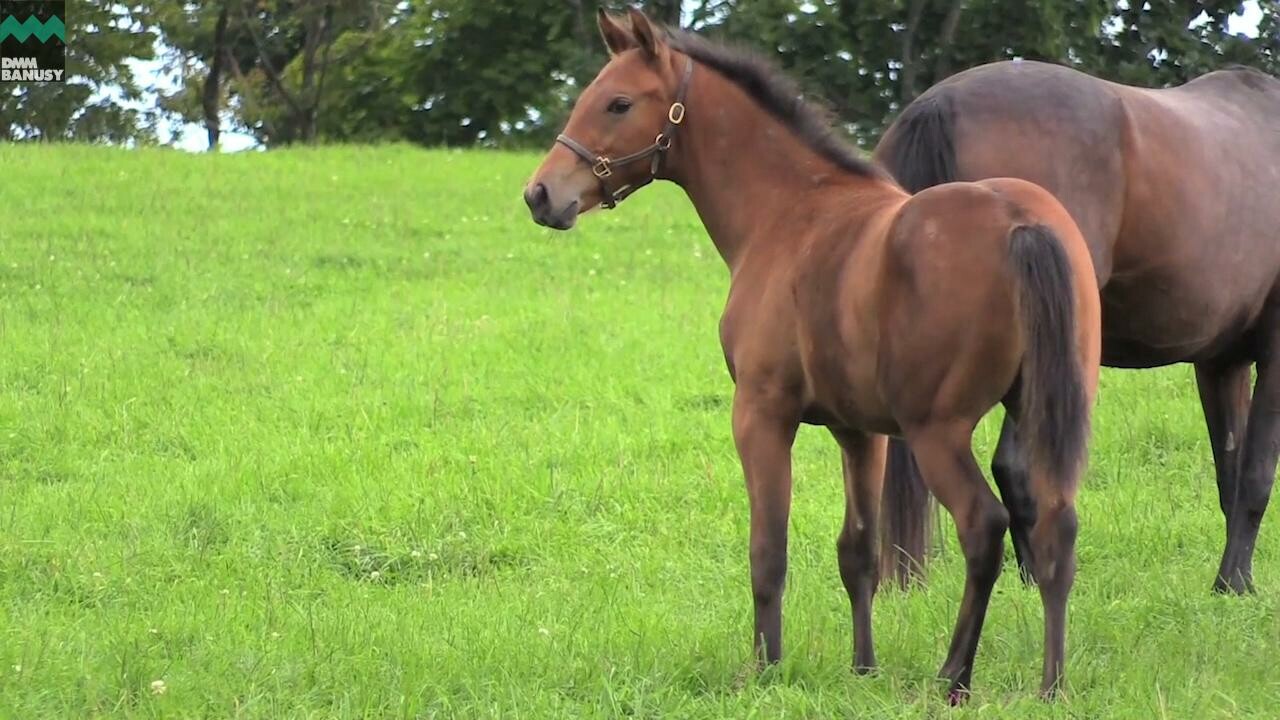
[(855, 306)]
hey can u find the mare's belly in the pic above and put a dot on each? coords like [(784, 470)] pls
[(1151, 321)]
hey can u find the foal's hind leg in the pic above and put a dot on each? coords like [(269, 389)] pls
[(1053, 542), (949, 470), (864, 468), (1224, 394), (1009, 470)]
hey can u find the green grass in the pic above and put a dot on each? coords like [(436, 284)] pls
[(340, 433)]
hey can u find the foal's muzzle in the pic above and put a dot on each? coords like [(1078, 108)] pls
[(538, 198)]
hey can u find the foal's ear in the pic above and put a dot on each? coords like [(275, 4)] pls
[(647, 36), (616, 37)]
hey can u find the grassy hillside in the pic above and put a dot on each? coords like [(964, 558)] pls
[(340, 433)]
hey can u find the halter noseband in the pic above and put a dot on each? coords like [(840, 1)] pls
[(602, 167)]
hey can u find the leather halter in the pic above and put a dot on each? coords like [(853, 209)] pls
[(602, 167)]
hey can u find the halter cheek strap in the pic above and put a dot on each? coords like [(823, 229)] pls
[(602, 167)]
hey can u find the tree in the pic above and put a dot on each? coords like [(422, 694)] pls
[(869, 58), (205, 40), (461, 72), (95, 104), (266, 60)]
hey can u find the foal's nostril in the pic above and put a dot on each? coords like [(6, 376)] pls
[(535, 196)]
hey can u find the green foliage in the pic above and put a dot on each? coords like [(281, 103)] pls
[(101, 36), (371, 445), (461, 72), (479, 69), (464, 72), (868, 59)]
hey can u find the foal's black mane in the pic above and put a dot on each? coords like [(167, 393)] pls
[(779, 95)]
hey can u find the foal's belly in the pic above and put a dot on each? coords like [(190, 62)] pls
[(830, 412), (840, 385)]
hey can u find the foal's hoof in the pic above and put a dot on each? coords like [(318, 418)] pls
[(1236, 584), (754, 670), (958, 686), (865, 669)]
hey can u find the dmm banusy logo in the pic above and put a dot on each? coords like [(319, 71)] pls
[(33, 41)]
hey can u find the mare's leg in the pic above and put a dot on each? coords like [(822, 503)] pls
[(864, 459), (904, 518), (1257, 469), (1224, 394), (763, 435), (1009, 470), (946, 461)]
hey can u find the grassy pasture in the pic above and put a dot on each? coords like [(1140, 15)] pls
[(340, 433)]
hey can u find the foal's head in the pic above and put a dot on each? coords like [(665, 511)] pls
[(619, 130)]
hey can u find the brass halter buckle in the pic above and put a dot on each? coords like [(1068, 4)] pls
[(601, 169)]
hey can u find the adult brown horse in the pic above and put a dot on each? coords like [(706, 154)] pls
[(1177, 192), (855, 306)]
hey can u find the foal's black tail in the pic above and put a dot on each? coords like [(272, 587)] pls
[(919, 151), (1055, 408)]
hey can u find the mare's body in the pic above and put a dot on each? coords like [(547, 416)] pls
[(1177, 193)]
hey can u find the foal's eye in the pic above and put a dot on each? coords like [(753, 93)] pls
[(619, 106)]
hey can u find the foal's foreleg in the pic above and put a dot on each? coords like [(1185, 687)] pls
[(763, 435), (864, 469), (949, 470)]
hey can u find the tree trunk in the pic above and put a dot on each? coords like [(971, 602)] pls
[(212, 97), (910, 63), (947, 41)]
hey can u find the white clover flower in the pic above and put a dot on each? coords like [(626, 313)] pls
[(158, 687)]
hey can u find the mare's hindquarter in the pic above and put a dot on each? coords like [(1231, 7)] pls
[(1175, 191)]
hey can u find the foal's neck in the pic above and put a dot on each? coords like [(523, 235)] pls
[(753, 181)]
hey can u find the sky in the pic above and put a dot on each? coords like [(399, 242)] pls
[(191, 136)]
